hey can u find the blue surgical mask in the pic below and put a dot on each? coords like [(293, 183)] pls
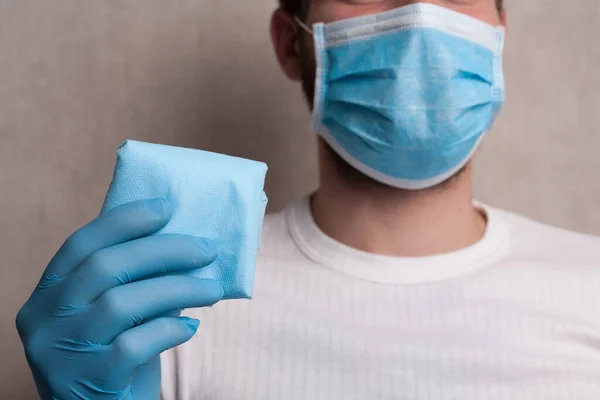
[(406, 96)]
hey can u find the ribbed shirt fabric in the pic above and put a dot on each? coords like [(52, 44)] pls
[(515, 316)]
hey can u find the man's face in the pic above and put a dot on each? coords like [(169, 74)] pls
[(335, 10)]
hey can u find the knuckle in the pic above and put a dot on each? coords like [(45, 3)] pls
[(22, 322), (98, 264), (35, 348), (75, 241), (110, 306), (126, 348)]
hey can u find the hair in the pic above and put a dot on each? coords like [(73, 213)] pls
[(300, 7)]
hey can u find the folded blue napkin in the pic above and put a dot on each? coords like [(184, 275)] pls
[(213, 196)]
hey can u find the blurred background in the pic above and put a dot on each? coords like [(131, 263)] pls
[(77, 77)]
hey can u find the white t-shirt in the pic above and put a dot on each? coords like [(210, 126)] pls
[(516, 316)]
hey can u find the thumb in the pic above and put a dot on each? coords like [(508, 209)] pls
[(139, 345)]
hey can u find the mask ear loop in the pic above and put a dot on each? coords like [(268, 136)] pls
[(303, 25)]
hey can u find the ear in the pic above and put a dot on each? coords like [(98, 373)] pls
[(285, 38), (503, 19)]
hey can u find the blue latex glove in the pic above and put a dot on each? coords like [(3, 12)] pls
[(101, 314)]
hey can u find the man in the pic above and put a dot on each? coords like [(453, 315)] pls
[(387, 283)]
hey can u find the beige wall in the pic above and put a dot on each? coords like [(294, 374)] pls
[(79, 76)]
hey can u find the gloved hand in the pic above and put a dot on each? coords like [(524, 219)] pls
[(101, 314)]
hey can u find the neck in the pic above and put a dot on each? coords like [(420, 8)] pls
[(375, 218)]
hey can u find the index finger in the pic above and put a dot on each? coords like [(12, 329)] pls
[(124, 223)]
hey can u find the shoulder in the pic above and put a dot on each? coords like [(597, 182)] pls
[(542, 242)]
